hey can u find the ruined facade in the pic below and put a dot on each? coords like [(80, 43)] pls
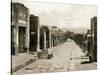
[(19, 28), (34, 24), (94, 38), (50, 37)]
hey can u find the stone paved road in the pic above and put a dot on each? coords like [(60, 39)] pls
[(61, 60)]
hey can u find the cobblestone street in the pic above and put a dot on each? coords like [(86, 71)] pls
[(66, 57)]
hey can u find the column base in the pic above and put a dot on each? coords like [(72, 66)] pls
[(38, 50), (43, 54)]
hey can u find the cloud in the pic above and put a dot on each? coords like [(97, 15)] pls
[(62, 15)]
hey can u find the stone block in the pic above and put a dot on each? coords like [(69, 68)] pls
[(43, 54)]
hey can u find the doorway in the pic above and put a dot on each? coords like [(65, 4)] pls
[(22, 34)]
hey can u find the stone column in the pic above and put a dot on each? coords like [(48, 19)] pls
[(51, 42), (16, 39), (28, 32), (44, 40), (56, 41), (50, 39), (38, 35)]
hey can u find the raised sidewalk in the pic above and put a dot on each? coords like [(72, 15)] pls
[(22, 60), (79, 61)]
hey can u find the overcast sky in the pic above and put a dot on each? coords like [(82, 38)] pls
[(61, 15)]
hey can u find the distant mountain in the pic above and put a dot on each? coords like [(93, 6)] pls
[(76, 30), (65, 29), (80, 30)]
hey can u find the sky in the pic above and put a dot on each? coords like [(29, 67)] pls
[(61, 15)]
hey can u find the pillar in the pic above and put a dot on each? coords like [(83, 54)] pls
[(51, 42), (16, 39), (38, 35), (50, 39), (27, 32), (44, 40)]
